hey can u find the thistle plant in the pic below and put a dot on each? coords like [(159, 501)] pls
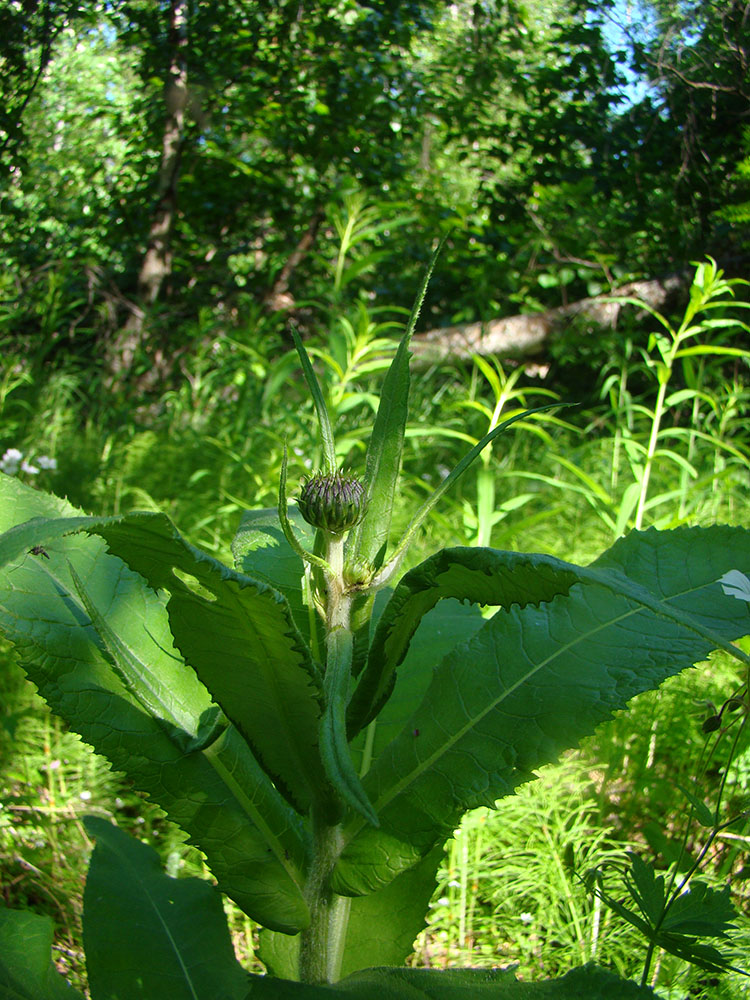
[(317, 721)]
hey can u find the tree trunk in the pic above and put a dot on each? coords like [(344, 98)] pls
[(525, 336), (278, 298), (156, 266)]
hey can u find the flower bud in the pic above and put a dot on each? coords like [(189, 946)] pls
[(332, 502), (358, 574)]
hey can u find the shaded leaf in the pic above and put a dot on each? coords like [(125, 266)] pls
[(26, 968), (587, 983), (261, 551), (479, 575), (647, 889), (400, 906), (148, 935), (238, 636)]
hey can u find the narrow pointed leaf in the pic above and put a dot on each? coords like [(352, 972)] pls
[(324, 420), (147, 935), (27, 971), (704, 956), (535, 679), (453, 476), (368, 540), (701, 911)]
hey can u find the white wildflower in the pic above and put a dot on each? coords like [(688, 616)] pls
[(11, 461)]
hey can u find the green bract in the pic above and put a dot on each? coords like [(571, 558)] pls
[(334, 502)]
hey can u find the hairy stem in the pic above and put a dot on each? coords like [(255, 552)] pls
[(322, 944)]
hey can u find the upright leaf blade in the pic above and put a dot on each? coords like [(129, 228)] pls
[(238, 636), (148, 935), (369, 538)]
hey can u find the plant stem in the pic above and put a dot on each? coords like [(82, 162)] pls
[(652, 443), (322, 944)]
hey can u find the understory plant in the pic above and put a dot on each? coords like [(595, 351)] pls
[(317, 723), (650, 435)]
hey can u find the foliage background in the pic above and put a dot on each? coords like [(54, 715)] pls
[(181, 181)]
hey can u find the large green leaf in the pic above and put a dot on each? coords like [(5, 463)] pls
[(261, 551), (26, 968), (239, 637), (216, 792), (587, 983), (439, 631), (401, 907), (535, 679), (480, 575), (149, 936)]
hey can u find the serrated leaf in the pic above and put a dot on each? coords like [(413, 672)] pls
[(241, 641), (705, 956), (401, 906), (701, 911), (534, 680), (255, 843), (144, 683), (647, 889), (480, 575), (27, 971), (148, 935)]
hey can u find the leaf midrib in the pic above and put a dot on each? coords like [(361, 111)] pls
[(608, 580)]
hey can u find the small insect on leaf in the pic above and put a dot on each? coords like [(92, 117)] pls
[(39, 550)]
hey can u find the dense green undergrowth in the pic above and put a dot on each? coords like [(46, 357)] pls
[(213, 444)]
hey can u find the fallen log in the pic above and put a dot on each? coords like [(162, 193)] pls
[(524, 336)]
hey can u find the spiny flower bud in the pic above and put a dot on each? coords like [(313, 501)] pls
[(334, 502)]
